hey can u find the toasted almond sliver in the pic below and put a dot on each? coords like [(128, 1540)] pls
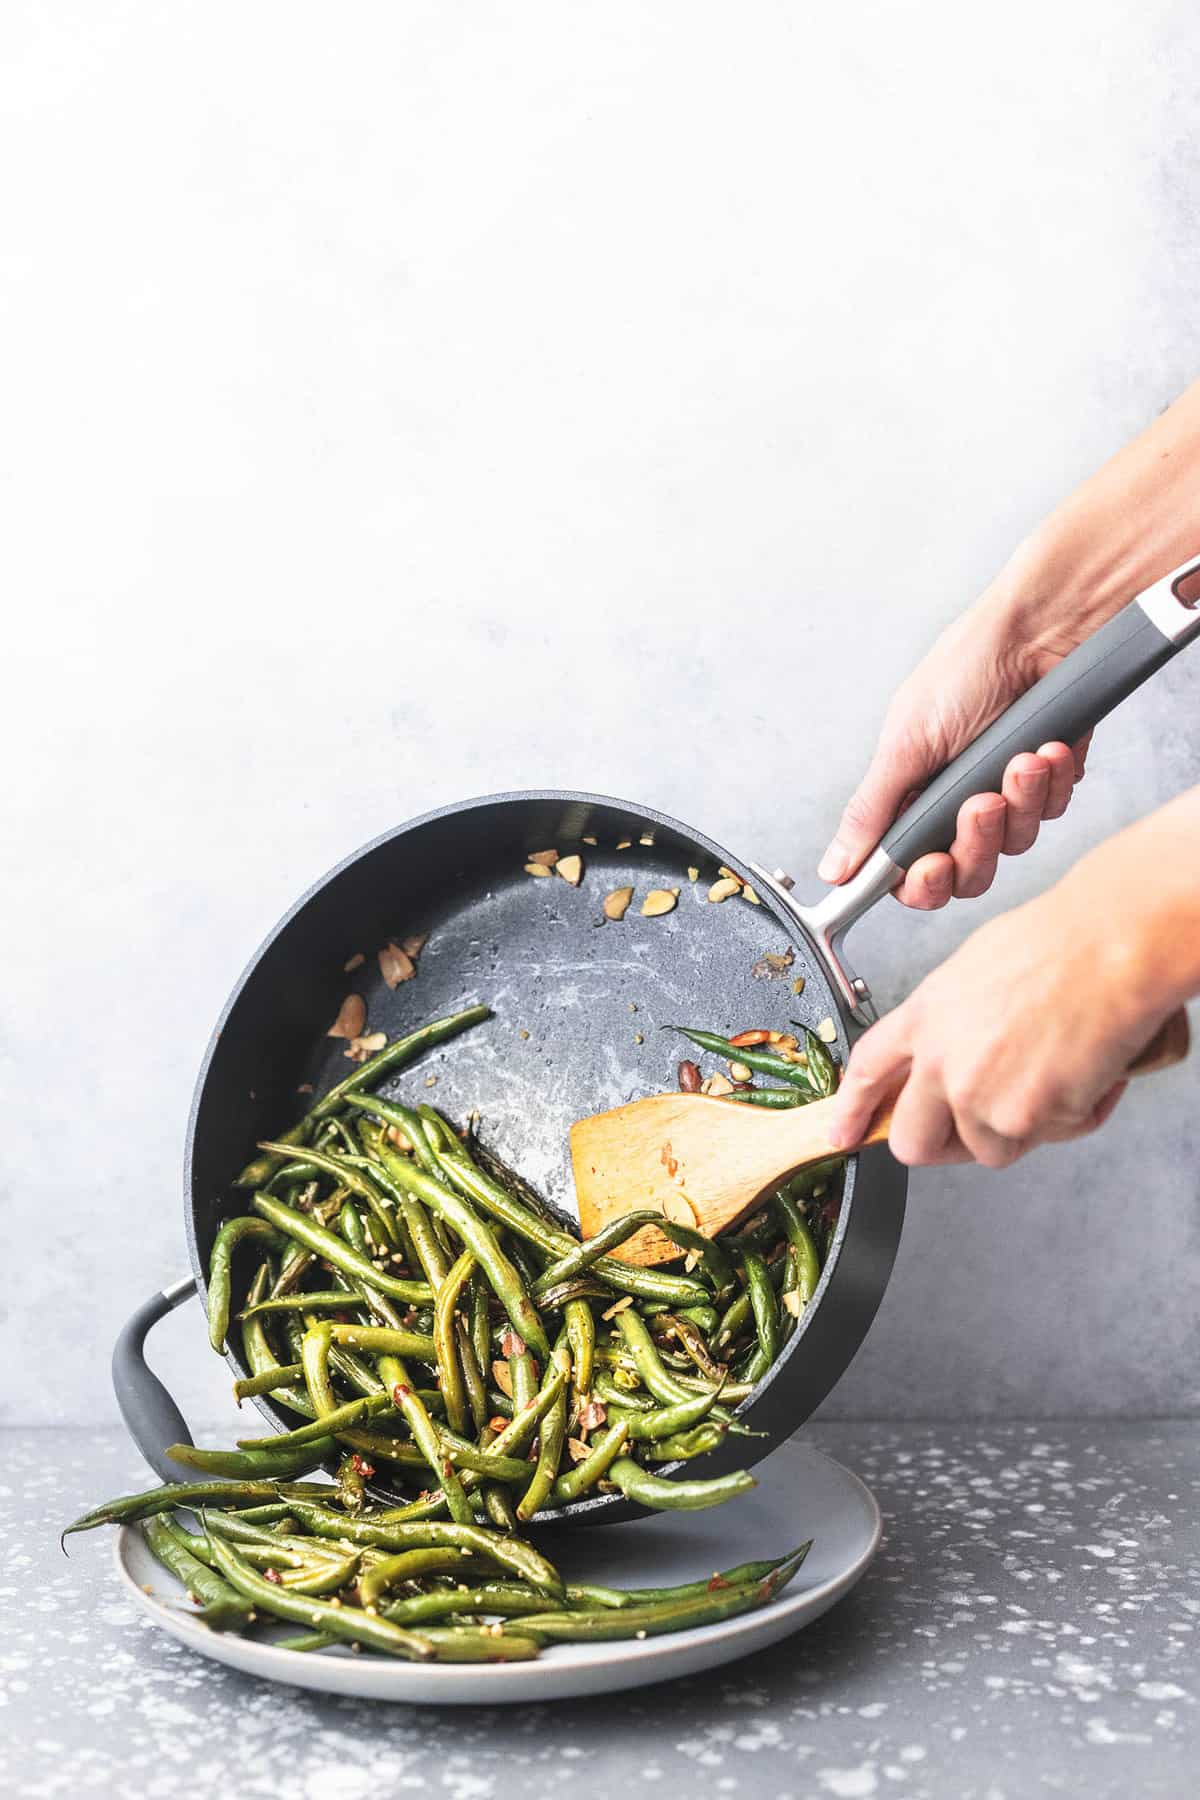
[(741, 1072), (548, 857), (570, 868), (354, 962), (618, 1307), (401, 1139), (724, 889), (352, 1016), (659, 901), (616, 904), (679, 1209), (359, 1048), (749, 894), (593, 1413), (625, 844), (647, 837), (502, 1376), (798, 985), (577, 1449), (827, 1031), (716, 1084), (396, 965), (693, 874), (532, 868), (793, 1302), (413, 946), (586, 839)]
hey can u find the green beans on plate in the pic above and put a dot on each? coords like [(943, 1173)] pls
[(443, 1338)]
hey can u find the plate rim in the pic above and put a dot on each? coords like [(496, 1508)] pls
[(269, 1662)]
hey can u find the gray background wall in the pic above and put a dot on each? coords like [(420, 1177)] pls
[(407, 402)]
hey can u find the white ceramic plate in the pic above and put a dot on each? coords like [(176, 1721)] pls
[(801, 1494)]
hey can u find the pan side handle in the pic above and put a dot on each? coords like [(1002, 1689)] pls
[(151, 1415)]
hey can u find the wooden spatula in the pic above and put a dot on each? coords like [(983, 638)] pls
[(705, 1162)]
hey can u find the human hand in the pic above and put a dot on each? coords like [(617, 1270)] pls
[(975, 670), (1023, 1037)]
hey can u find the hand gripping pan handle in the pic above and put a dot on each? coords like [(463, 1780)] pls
[(1080, 691)]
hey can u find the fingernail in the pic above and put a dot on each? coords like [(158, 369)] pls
[(834, 863)]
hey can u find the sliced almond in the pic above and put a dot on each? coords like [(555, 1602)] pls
[(593, 1413), (547, 858), (798, 985), (577, 1450), (511, 1344), (624, 843), (786, 1054), (354, 962), (570, 868), (741, 1073), (774, 965), (396, 965), (793, 1302), (827, 1031), (616, 904), (502, 1376), (717, 1085), (659, 901), (749, 894), (413, 946), (359, 1048), (352, 1016), (618, 1306), (532, 868), (588, 840), (401, 1139), (724, 889), (729, 874), (693, 874), (647, 837), (679, 1209)]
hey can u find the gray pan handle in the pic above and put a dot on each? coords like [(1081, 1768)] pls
[(152, 1417), (1063, 706)]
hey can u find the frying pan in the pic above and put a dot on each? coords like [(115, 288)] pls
[(579, 1002)]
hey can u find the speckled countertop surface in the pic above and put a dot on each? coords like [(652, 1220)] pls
[(1032, 1625)]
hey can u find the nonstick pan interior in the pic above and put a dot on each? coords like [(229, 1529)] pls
[(580, 1002)]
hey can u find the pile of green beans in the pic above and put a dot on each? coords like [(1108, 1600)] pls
[(434, 1329)]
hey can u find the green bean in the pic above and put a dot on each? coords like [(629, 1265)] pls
[(609, 1623), (601, 1455), (231, 1234), (348, 1624), (497, 1504), (380, 1340), (428, 1440), (692, 1341), (326, 1425), (498, 1599), (392, 1112), (222, 1602), (766, 1316), (773, 1097), (472, 1374), (487, 1644), (391, 1057), (305, 1640), (478, 1237), (514, 1554), (336, 1251), (249, 1465), (822, 1070), (808, 1263), (481, 1336), (169, 1495), (655, 1375), (581, 1339), (646, 1489), (687, 1444), (665, 1421), (649, 1284), (712, 1257), (579, 1287), (267, 1381), (762, 1061), (582, 1256), (550, 1448), (331, 1300), (450, 1376)]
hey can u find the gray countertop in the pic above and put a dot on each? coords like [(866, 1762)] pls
[(1030, 1625)]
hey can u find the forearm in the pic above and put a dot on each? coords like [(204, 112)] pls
[(1145, 882), (1133, 521)]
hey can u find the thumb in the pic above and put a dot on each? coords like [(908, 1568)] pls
[(897, 769)]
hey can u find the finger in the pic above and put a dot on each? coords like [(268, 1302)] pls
[(978, 841), (878, 1064), (986, 1145), (1080, 752), (1107, 1105), (1061, 762), (896, 768), (1025, 787), (929, 883), (922, 1129)]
